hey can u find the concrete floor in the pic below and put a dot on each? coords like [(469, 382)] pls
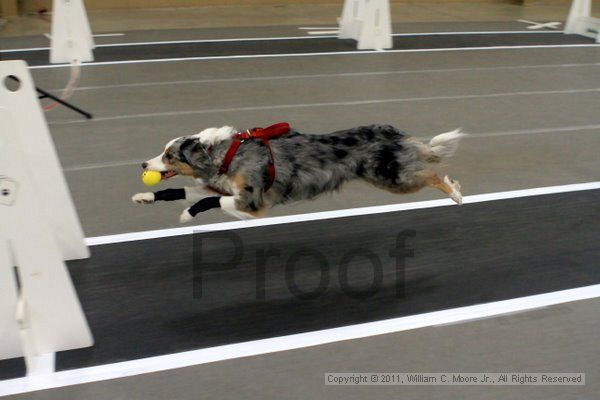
[(519, 140), (523, 109), (535, 341)]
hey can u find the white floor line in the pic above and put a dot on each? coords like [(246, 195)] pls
[(228, 40), (325, 215), (470, 33), (311, 28), (292, 342), (324, 104), (113, 164), (337, 75), (187, 41), (108, 34), (324, 35), (319, 54), (27, 49), (85, 167), (537, 131), (323, 32)]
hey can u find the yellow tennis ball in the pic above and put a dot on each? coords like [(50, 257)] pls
[(151, 178)]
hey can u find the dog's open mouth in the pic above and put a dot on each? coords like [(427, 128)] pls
[(168, 174)]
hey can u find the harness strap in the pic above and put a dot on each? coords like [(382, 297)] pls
[(265, 134)]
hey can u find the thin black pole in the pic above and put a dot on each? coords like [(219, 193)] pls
[(44, 94)]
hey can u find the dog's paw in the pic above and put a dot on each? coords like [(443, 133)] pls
[(143, 198), (185, 216), (455, 185)]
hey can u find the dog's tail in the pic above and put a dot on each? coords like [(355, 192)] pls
[(442, 146)]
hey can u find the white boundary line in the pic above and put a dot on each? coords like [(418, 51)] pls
[(324, 104), (351, 212), (534, 131), (334, 53), (107, 35), (316, 28), (292, 342), (334, 75), (263, 39), (323, 32)]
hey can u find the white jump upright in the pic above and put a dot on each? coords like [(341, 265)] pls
[(71, 38), (581, 22), (351, 20), (368, 22), (40, 313)]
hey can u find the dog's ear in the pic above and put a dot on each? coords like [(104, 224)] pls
[(188, 144), (187, 149), (192, 152)]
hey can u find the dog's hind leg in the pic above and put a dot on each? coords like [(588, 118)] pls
[(236, 207), (248, 198), (447, 185)]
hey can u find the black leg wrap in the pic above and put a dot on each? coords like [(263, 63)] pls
[(205, 204), (169, 195)]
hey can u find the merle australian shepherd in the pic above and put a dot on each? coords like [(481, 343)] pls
[(304, 166)]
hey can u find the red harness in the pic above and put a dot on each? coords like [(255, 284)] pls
[(273, 131)]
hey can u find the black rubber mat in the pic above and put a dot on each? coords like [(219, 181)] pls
[(308, 45), (168, 295)]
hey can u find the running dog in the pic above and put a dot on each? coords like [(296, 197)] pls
[(257, 169)]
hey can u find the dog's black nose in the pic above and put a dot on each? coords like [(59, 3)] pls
[(144, 165)]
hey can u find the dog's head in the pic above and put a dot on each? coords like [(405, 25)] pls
[(188, 155)]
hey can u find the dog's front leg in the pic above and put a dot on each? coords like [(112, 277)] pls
[(161, 195), (226, 203), (189, 193), (205, 204)]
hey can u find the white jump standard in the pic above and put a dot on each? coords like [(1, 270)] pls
[(581, 22), (71, 40), (368, 22), (40, 313)]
